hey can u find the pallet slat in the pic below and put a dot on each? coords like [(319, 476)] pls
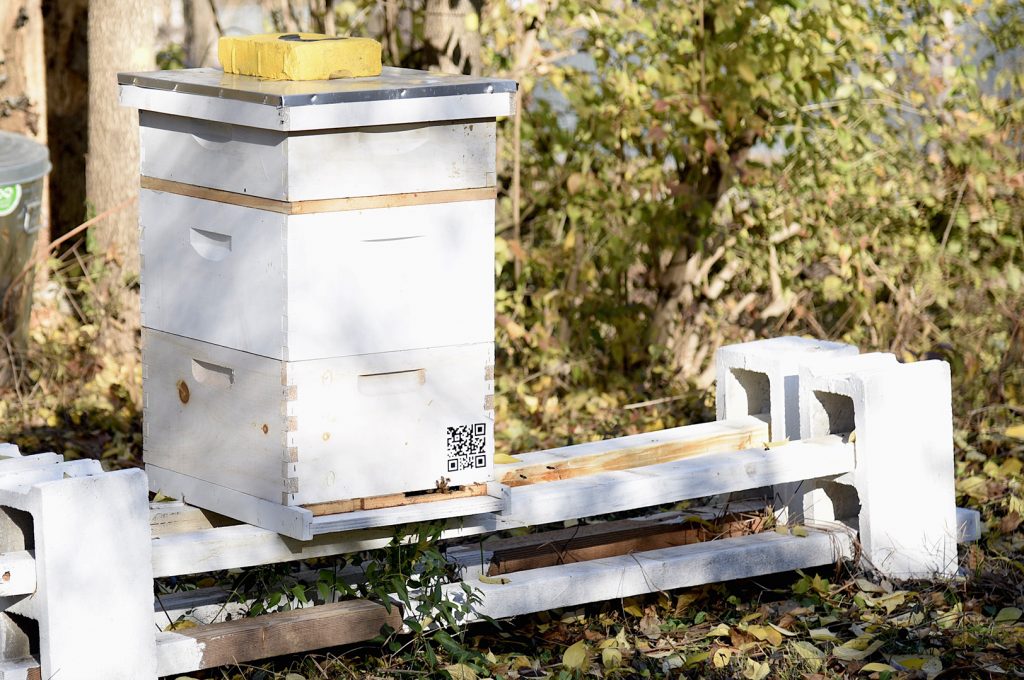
[(291, 632), (633, 451)]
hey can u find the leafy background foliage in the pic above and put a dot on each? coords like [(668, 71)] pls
[(685, 175)]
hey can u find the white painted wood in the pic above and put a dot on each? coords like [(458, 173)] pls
[(904, 437), (394, 279), (326, 164), (305, 287), (347, 427), (218, 434), (705, 475), (246, 545), (321, 117), (656, 570), (17, 573), (379, 423), (299, 523)]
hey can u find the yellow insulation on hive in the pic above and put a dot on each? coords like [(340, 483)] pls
[(299, 56)]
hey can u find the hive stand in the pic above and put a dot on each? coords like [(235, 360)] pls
[(78, 540), (872, 429)]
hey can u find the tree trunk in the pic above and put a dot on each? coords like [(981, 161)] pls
[(23, 111), (452, 34), (121, 38), (200, 33)]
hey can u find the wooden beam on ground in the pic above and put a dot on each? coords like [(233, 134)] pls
[(653, 571), (633, 451), (300, 630)]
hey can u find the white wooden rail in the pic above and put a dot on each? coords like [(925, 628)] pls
[(868, 424)]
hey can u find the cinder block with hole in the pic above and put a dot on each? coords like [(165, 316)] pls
[(761, 378)]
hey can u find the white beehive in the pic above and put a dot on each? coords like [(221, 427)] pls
[(318, 293)]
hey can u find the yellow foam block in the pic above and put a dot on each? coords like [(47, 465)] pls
[(299, 56)]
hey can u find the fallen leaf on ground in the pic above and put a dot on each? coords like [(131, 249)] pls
[(459, 671), (575, 656)]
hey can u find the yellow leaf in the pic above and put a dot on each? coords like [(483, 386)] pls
[(695, 659), (719, 630), (857, 650), (633, 607), (1007, 615), (930, 665), (183, 624), (805, 650), (460, 671), (1015, 431), (611, 657), (505, 459), (756, 670), (721, 657), (787, 633), (821, 634), (867, 586), (494, 580), (575, 656), (799, 530), (875, 667), (766, 634)]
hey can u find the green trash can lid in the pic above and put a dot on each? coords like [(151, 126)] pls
[(21, 159)]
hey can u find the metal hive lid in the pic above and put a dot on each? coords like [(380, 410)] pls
[(392, 84)]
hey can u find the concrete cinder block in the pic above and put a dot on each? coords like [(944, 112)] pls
[(901, 415), (762, 378), (92, 603)]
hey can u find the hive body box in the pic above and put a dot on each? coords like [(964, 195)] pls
[(317, 287)]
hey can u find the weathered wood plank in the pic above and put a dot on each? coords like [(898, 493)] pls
[(616, 539), (394, 500), (319, 205), (291, 632), (633, 451)]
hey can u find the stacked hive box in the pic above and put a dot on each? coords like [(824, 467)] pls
[(317, 288)]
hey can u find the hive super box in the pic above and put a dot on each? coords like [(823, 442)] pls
[(318, 291)]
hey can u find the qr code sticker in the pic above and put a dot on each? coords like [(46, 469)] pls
[(467, 447)]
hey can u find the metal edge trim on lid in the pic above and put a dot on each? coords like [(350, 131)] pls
[(482, 86)]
